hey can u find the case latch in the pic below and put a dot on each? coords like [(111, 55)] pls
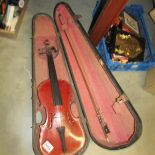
[(121, 99), (118, 101)]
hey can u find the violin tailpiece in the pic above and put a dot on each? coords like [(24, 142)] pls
[(61, 131)]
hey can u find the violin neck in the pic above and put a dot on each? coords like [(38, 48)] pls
[(57, 100)]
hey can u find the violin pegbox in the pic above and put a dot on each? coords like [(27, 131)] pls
[(48, 48)]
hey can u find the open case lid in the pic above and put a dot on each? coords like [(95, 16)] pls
[(111, 119)]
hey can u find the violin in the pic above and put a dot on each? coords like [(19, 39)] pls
[(61, 132)]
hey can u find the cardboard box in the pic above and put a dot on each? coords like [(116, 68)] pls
[(13, 34), (150, 81), (153, 40)]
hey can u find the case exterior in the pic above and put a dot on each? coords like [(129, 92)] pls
[(110, 118), (105, 19)]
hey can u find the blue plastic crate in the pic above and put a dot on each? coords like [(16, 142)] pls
[(149, 55)]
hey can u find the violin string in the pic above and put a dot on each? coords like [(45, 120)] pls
[(56, 93), (53, 78)]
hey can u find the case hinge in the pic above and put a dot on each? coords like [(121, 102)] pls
[(77, 16)]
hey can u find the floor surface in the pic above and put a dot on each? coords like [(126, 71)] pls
[(15, 84)]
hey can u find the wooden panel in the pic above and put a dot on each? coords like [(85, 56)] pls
[(111, 10)]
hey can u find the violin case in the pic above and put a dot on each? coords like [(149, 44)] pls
[(104, 110)]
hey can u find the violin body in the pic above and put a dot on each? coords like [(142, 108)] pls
[(57, 117)]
